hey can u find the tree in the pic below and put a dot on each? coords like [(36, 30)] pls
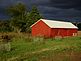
[(33, 16), (21, 19), (17, 10), (18, 15), (4, 26)]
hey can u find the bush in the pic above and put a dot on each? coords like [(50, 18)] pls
[(5, 42)]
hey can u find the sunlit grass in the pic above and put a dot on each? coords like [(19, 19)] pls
[(25, 47)]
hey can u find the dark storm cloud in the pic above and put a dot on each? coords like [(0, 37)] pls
[(62, 9), (58, 12), (50, 9), (66, 3), (41, 2)]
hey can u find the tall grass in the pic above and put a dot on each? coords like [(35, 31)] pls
[(27, 48)]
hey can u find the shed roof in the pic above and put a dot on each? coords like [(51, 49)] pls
[(57, 24)]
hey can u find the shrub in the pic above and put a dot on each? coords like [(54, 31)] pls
[(5, 42)]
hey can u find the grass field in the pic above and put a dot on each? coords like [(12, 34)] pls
[(26, 48)]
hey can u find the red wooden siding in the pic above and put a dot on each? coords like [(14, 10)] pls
[(62, 32), (41, 29)]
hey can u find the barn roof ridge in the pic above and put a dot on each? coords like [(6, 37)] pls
[(56, 24)]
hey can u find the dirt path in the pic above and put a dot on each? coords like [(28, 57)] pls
[(17, 57), (46, 49)]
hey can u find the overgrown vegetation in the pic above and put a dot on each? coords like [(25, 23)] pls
[(5, 27), (27, 48), (20, 18)]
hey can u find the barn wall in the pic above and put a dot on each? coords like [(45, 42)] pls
[(62, 32), (71, 31), (58, 32), (41, 29), (54, 32)]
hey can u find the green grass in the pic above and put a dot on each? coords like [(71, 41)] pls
[(26, 48)]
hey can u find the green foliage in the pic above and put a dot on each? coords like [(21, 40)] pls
[(5, 26), (5, 42), (18, 15), (17, 10), (79, 26), (21, 19), (34, 14), (32, 17)]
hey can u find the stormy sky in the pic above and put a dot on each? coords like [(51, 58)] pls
[(69, 10)]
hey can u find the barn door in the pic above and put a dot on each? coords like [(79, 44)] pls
[(58, 32), (58, 35)]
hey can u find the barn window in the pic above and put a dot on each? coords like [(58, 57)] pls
[(74, 34)]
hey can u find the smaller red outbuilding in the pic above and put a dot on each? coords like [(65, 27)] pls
[(52, 28)]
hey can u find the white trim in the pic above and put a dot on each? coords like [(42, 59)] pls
[(35, 23), (57, 24)]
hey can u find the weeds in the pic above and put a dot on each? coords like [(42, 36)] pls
[(27, 48)]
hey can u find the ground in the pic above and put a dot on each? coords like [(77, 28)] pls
[(27, 48)]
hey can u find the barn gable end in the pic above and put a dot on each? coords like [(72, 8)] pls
[(41, 29)]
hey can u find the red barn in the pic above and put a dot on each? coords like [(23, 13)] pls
[(52, 28)]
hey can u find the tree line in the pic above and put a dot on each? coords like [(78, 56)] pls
[(20, 18)]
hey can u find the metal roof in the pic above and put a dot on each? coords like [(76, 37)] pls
[(57, 24)]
